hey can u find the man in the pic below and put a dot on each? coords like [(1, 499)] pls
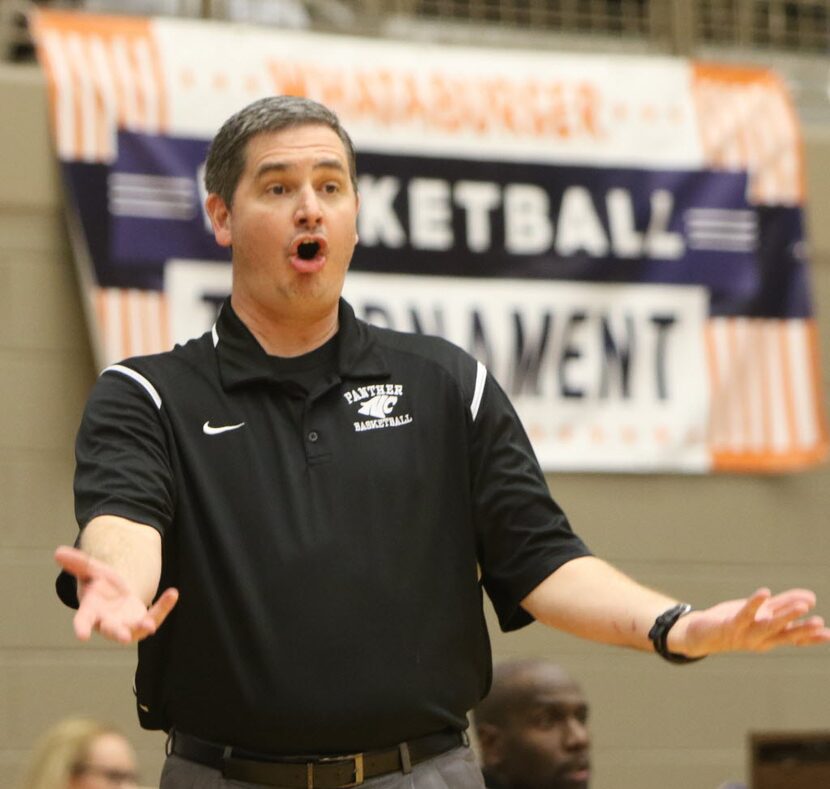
[(322, 493), (533, 728)]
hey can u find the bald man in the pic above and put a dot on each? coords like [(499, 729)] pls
[(533, 728)]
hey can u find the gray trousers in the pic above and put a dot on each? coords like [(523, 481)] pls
[(455, 769)]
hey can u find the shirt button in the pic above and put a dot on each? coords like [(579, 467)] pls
[(313, 436)]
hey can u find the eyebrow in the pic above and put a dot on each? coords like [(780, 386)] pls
[(558, 705), (281, 167)]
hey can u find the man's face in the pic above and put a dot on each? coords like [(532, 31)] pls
[(292, 222), (545, 743)]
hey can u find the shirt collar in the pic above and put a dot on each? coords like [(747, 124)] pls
[(243, 360)]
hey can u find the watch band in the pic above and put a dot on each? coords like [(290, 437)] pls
[(659, 634)]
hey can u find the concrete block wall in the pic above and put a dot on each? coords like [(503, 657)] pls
[(702, 538), (46, 371)]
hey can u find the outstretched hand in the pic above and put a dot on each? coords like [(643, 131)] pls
[(755, 624), (107, 604)]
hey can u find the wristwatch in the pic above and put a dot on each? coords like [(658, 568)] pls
[(659, 634)]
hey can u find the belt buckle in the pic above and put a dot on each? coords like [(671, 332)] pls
[(357, 758)]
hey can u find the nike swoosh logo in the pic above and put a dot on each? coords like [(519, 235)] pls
[(213, 431)]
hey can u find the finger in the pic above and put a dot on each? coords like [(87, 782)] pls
[(163, 606), (746, 616), (800, 633), (115, 630), (820, 636), (811, 624), (85, 620), (157, 614), (767, 632), (84, 567), (784, 615), (147, 628), (74, 561), (804, 597)]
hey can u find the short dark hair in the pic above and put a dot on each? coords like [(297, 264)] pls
[(509, 692), (226, 156)]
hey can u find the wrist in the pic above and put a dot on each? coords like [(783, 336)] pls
[(677, 639), (668, 634)]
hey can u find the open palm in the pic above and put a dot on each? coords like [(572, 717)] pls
[(107, 604), (756, 624)]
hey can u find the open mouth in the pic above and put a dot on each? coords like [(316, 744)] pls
[(309, 254), (308, 250)]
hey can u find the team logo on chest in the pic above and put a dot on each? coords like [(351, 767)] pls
[(377, 402)]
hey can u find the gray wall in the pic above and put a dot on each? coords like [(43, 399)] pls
[(701, 538)]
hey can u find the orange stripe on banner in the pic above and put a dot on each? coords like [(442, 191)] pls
[(732, 387), (740, 106), (768, 462), (112, 340), (737, 109), (107, 95), (126, 333), (731, 75), (138, 85), (92, 24), (720, 402), (818, 394), (798, 150), (100, 301), (743, 383), (164, 321), (766, 337), (136, 327), (150, 322), (765, 380), (142, 342), (749, 393), (103, 120), (787, 380), (715, 384), (109, 328), (160, 83), (76, 75), (108, 30), (126, 93)]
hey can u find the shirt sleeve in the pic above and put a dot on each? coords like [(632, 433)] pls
[(122, 461), (122, 456), (523, 535)]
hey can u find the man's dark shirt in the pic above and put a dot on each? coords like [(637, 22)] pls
[(327, 544)]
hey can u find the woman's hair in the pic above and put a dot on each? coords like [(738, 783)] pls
[(61, 750)]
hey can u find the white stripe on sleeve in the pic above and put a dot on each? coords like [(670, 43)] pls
[(138, 377), (481, 377)]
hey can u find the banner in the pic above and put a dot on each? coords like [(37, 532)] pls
[(619, 239)]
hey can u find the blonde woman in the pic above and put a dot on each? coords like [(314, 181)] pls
[(81, 753)]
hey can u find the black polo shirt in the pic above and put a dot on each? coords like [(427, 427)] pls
[(326, 543)]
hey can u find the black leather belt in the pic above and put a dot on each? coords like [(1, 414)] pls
[(310, 772)]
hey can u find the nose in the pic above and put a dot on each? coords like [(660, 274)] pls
[(576, 735), (308, 212)]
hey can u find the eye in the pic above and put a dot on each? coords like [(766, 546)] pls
[(547, 719), (331, 187), (277, 189)]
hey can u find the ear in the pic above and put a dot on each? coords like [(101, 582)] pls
[(220, 219), (491, 741)]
